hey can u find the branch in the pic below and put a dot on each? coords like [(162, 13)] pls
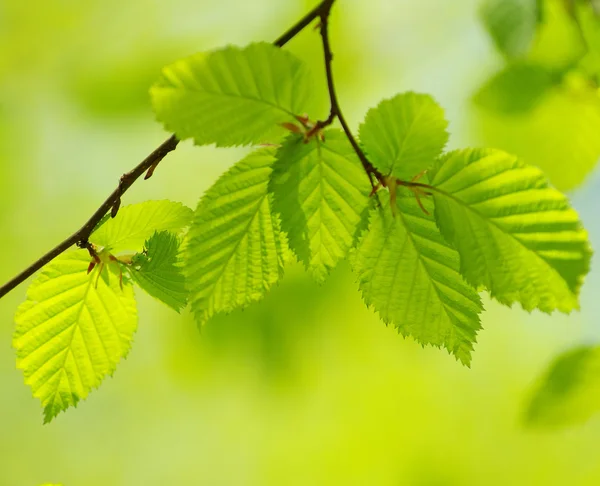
[(335, 110), (148, 165)]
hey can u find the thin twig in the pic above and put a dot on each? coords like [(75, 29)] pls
[(335, 110), (148, 165)]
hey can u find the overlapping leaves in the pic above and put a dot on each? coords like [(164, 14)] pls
[(480, 219), (77, 324), (321, 192)]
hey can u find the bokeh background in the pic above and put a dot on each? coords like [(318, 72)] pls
[(307, 387)]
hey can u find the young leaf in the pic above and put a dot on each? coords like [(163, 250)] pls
[(72, 330), (569, 392), (232, 96), (158, 270), (403, 135), (410, 275), (235, 250), (135, 223), (516, 89), (511, 24), (321, 191), (516, 236)]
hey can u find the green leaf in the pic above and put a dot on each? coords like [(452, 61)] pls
[(232, 96), (72, 330), (321, 191), (403, 135), (516, 89), (511, 24), (235, 249), (158, 270), (569, 391), (516, 236), (410, 276), (135, 223)]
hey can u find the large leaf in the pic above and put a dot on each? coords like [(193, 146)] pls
[(158, 270), (321, 191), (410, 275), (517, 236), (235, 248), (569, 391), (232, 96), (135, 223), (72, 330), (403, 135), (511, 24)]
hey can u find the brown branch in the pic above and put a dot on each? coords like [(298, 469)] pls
[(148, 165), (335, 110)]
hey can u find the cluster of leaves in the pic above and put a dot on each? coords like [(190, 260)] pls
[(443, 227), (544, 104)]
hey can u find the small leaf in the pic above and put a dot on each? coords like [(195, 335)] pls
[(321, 191), (516, 236), (158, 270), (569, 391), (511, 24), (235, 250), (516, 89), (72, 330), (410, 275), (403, 135), (135, 223), (232, 96)]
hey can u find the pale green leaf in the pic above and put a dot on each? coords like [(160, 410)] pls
[(135, 223), (569, 391), (559, 135), (410, 276), (321, 191), (517, 237), (511, 24), (403, 135), (73, 329), (516, 89), (158, 270), (235, 249), (232, 96)]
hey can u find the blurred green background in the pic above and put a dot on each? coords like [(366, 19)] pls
[(307, 387)]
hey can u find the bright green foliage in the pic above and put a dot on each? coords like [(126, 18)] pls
[(517, 236), (410, 275), (72, 330), (516, 89), (403, 135), (135, 223), (232, 96), (321, 191), (235, 249), (569, 391), (511, 24), (158, 270)]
